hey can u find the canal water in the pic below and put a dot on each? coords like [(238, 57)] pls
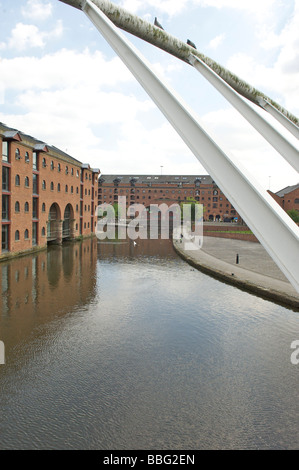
[(116, 346)]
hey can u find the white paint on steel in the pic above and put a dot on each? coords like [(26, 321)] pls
[(268, 221), (280, 143), (289, 125), (165, 41)]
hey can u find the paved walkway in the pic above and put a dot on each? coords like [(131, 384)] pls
[(256, 271)]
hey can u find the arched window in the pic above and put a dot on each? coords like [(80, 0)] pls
[(44, 207), (215, 192), (17, 235), (17, 154), (72, 189), (66, 188), (66, 170), (52, 186), (44, 185), (44, 163), (52, 165), (26, 234), (27, 182), (58, 187), (27, 159), (26, 207), (17, 180), (17, 206), (59, 167), (43, 231)]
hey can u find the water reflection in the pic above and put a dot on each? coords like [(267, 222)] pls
[(130, 250), (35, 289), (114, 345)]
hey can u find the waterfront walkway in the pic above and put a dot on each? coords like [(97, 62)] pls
[(256, 271)]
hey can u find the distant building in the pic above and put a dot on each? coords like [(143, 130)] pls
[(171, 189), (287, 198), (47, 195)]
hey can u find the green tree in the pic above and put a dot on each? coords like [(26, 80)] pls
[(294, 214), (194, 208)]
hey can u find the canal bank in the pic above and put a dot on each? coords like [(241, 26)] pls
[(245, 265)]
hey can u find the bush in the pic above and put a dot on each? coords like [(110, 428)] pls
[(294, 214)]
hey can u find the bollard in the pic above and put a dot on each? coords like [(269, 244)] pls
[(237, 259), (2, 353)]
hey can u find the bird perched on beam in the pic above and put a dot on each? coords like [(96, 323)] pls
[(156, 23), (190, 43)]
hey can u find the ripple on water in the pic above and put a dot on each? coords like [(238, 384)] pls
[(147, 353)]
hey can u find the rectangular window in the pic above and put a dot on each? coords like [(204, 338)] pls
[(5, 229), (34, 207), (5, 207), (34, 161), (5, 151), (34, 184), (5, 178)]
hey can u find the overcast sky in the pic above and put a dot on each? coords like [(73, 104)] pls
[(63, 84)]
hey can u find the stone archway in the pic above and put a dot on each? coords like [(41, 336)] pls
[(54, 224), (68, 222)]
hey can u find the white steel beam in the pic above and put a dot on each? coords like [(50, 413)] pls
[(268, 221), (289, 125), (125, 20), (280, 143)]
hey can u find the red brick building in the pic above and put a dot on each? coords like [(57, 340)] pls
[(47, 196), (288, 198), (173, 189)]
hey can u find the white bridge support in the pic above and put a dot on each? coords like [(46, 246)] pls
[(279, 116), (280, 143), (268, 221), (125, 20)]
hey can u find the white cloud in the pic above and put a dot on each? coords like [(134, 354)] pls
[(24, 36), (173, 7), (169, 7), (63, 69), (66, 98), (37, 10), (215, 42)]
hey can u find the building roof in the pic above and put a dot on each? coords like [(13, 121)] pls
[(287, 190), (156, 179), (36, 144), (12, 135)]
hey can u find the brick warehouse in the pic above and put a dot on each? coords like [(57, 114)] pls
[(47, 195), (288, 198), (173, 189)]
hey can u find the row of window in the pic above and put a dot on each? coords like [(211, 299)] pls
[(26, 206), (26, 234), (5, 158), (5, 180), (197, 192), (5, 184)]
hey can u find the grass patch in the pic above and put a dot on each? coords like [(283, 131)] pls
[(248, 232)]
